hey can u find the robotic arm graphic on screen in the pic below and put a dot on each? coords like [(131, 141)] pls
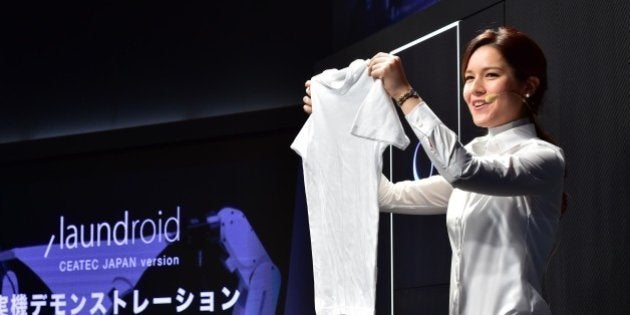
[(258, 277)]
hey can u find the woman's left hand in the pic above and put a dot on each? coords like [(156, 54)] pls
[(308, 103)]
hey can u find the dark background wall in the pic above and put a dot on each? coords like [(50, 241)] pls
[(83, 67), (77, 67)]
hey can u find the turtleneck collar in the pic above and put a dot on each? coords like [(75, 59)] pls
[(503, 137), (493, 131)]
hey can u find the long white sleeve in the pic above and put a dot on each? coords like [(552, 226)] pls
[(491, 167), (426, 196)]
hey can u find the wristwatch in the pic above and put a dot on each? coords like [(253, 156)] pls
[(411, 93)]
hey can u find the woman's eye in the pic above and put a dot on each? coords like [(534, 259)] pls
[(492, 75), (468, 78)]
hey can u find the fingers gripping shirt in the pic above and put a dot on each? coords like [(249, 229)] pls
[(341, 145)]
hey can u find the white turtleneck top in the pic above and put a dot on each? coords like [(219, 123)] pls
[(502, 196)]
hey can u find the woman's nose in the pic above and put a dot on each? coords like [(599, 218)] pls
[(477, 87)]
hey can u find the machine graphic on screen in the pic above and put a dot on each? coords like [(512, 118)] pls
[(421, 167), (219, 266)]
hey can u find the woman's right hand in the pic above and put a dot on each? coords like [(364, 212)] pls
[(390, 70), (308, 103)]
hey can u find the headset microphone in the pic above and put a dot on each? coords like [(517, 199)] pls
[(490, 98)]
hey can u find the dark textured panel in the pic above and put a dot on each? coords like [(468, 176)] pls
[(587, 109)]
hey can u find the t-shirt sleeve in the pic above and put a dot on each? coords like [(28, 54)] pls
[(377, 119), (300, 143)]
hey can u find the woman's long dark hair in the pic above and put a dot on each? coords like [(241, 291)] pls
[(526, 60)]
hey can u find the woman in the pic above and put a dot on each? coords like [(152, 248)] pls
[(502, 193)]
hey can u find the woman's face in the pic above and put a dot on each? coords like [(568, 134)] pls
[(487, 73)]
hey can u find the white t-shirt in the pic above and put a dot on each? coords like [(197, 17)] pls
[(341, 145)]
